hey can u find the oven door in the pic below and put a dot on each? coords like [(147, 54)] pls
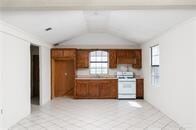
[(126, 87)]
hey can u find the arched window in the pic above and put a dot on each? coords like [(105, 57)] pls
[(98, 62)]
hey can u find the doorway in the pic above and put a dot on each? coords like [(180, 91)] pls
[(64, 78), (35, 75)]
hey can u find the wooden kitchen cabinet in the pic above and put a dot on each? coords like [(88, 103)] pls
[(138, 58), (125, 53), (69, 53), (100, 88), (139, 88), (93, 89), (105, 89), (63, 53), (63, 69), (82, 88), (112, 59), (56, 53), (126, 57), (114, 88), (82, 58)]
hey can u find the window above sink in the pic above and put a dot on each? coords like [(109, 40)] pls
[(98, 62)]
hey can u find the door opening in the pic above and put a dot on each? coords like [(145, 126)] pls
[(35, 75)]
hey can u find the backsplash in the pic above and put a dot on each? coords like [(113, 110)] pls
[(112, 72)]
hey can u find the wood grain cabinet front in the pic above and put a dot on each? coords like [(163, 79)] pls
[(93, 89), (138, 58), (57, 53), (112, 59), (139, 88), (82, 58), (106, 88), (69, 53), (81, 88), (125, 57), (63, 53)]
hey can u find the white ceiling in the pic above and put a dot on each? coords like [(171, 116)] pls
[(137, 26), (92, 4)]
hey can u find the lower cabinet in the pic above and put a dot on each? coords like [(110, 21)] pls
[(93, 89), (82, 88), (140, 88), (106, 88)]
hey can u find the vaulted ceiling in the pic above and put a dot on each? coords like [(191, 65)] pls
[(138, 26)]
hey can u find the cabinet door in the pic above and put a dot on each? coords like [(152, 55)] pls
[(121, 53), (105, 89), (69, 53), (93, 89), (138, 57), (112, 59), (82, 89), (139, 89), (63, 53), (114, 88), (131, 54), (57, 53), (82, 58), (125, 57)]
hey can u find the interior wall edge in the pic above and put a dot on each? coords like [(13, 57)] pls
[(45, 75)]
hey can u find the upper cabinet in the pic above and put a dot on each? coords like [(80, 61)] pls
[(56, 53), (63, 53), (126, 57), (129, 56), (112, 59), (138, 59), (82, 58), (116, 56)]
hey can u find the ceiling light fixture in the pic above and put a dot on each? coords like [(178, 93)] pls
[(48, 29)]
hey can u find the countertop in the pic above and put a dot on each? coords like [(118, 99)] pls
[(94, 78), (83, 77), (101, 78)]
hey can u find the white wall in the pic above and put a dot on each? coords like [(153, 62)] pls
[(195, 81), (45, 72), (16, 73), (1, 84), (98, 40), (16, 79), (175, 95)]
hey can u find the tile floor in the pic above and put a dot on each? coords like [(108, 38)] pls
[(70, 114)]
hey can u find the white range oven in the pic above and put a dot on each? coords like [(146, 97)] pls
[(126, 85)]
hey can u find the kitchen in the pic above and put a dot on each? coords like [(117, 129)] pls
[(100, 73), (97, 66)]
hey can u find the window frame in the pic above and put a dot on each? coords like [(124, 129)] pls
[(151, 48), (99, 62), (155, 66)]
